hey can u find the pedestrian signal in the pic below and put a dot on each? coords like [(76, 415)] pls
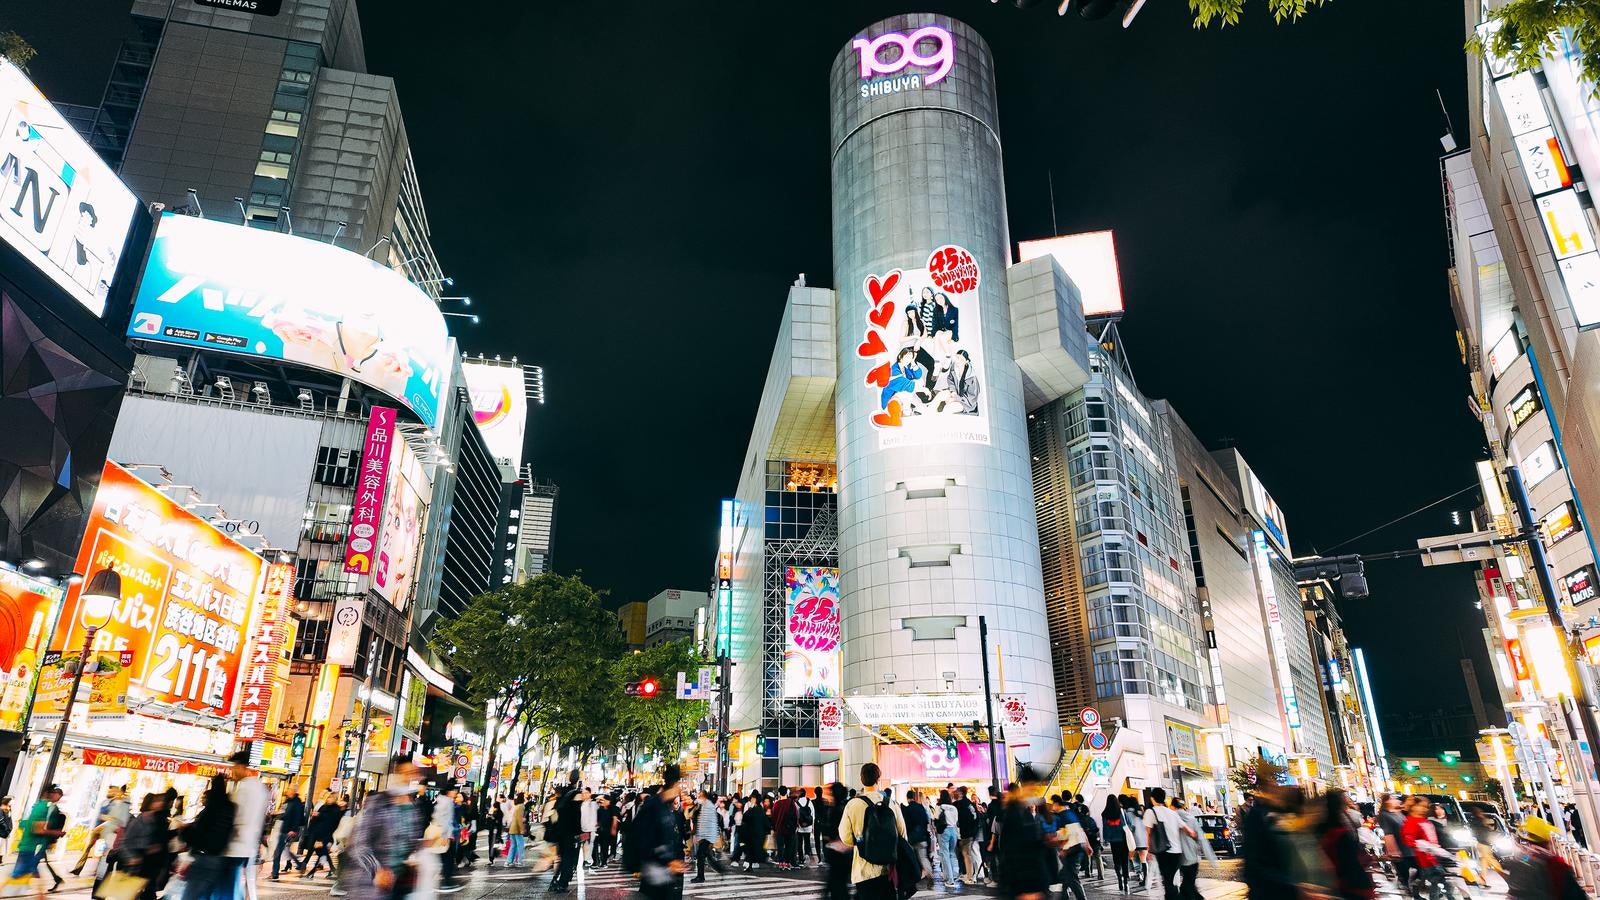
[(951, 751)]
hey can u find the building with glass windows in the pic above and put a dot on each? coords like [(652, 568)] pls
[(270, 120)]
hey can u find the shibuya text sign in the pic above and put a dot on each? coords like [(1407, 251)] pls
[(912, 709), (929, 49)]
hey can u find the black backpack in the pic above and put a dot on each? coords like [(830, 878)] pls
[(940, 823), (805, 815), (879, 840)]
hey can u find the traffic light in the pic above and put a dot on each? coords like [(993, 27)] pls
[(1409, 765), (297, 747), (1426, 779), (646, 688), (761, 744), (1466, 779), (1449, 757), (951, 751)]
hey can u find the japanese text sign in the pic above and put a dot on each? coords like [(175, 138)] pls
[(366, 518), (266, 646)]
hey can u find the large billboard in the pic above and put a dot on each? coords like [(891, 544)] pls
[(500, 407), (60, 205), (1090, 260), (188, 594), (404, 518), (811, 655), (925, 368), (208, 446), (27, 613), (366, 513), (260, 293)]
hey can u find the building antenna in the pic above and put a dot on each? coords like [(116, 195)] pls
[(1448, 139), (1051, 177)]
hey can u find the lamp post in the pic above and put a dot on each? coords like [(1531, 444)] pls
[(96, 602)]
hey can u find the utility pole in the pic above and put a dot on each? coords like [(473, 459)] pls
[(988, 707), (724, 710), (1552, 605)]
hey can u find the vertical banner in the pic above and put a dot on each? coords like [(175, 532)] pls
[(830, 725), (327, 686), (811, 654), (366, 518), (266, 646), (344, 635), (1014, 719)]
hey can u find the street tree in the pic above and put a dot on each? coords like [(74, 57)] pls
[(16, 48), (1227, 12), (662, 724), (1255, 773), (1526, 31), (533, 649)]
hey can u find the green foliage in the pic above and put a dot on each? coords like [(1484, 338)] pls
[(1227, 12), (1493, 788), (15, 48), (663, 724), (1525, 31), (1248, 775)]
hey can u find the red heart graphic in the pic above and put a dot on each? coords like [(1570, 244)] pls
[(878, 290), (879, 376), (881, 316), (889, 418), (872, 346)]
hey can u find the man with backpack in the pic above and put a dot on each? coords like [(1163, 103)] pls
[(805, 817), (1166, 840), (873, 826)]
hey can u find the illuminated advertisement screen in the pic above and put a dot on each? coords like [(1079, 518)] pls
[(922, 352), (188, 595), (60, 205), (216, 286), (1580, 585), (27, 613), (1090, 260), (919, 764), (1504, 352), (500, 407), (400, 540), (1561, 523), (811, 647), (1540, 464), (1524, 405)]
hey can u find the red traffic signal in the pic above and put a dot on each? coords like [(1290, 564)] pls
[(648, 687)]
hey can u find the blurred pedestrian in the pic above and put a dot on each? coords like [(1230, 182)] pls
[(659, 851), (377, 863), (1347, 858), (210, 838), (1025, 852)]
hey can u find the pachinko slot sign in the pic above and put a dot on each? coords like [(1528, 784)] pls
[(188, 595)]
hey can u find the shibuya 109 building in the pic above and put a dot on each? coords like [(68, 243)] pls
[(956, 507)]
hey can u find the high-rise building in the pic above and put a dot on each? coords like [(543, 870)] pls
[(271, 120), (631, 620), (672, 614), (536, 526)]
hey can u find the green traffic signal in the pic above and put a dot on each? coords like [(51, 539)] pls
[(951, 751), (1449, 758), (1409, 765), (1426, 779)]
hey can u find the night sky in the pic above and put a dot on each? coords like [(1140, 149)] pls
[(627, 189)]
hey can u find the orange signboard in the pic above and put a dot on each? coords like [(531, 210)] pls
[(113, 759), (27, 612), (188, 592)]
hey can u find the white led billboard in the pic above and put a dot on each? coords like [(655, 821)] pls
[(500, 407), (60, 206), (1090, 260)]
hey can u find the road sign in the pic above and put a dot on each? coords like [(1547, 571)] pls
[(1090, 717), (461, 773), (1100, 768), (1098, 740)]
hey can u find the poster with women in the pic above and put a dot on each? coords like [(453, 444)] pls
[(923, 351)]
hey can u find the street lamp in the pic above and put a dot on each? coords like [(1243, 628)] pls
[(96, 602)]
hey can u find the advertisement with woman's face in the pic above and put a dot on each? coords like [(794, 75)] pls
[(227, 287), (404, 516)]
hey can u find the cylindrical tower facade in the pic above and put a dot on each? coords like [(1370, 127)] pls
[(936, 513)]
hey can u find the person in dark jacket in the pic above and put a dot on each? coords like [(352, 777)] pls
[(1023, 858), (753, 831), (563, 834), (838, 857), (291, 822), (143, 848), (207, 837), (1268, 871), (784, 827), (318, 839), (660, 851), (918, 834)]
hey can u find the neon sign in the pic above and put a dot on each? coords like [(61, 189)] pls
[(941, 60)]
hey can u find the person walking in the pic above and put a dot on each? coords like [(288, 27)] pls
[(805, 827), (210, 840), (142, 852), (967, 826), (1166, 836), (114, 814), (6, 825), (1392, 821), (947, 831), (1133, 821), (517, 826), (835, 853), (659, 850), (1269, 869), (376, 863), (1347, 860), (1116, 835), (754, 826), (588, 825), (1536, 872), (442, 821), (318, 840), (919, 831), (1193, 849), (249, 821), (872, 826), (1025, 852), (562, 833), (783, 828), (1419, 835), (707, 832), (605, 835), (37, 835), (291, 823)]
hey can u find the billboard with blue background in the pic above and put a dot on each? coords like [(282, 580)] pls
[(218, 286)]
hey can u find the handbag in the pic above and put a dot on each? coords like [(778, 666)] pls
[(1160, 842), (119, 885)]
